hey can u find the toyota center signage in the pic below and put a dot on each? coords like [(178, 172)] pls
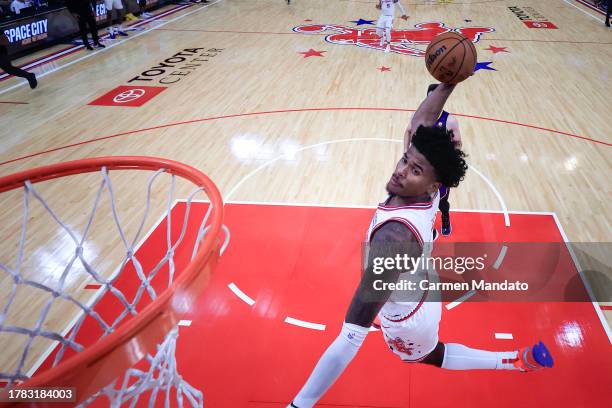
[(531, 18), (157, 78), (131, 96)]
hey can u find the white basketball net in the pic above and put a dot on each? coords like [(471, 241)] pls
[(162, 378)]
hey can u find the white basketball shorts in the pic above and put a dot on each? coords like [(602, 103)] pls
[(411, 330), (384, 22)]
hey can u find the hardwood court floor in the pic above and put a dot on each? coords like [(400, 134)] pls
[(329, 127)]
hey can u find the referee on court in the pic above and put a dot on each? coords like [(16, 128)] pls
[(83, 11)]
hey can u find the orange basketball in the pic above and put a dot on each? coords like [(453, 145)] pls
[(450, 57)]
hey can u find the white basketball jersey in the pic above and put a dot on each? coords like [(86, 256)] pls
[(419, 218), (387, 7)]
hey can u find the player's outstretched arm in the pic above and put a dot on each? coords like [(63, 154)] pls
[(430, 109), (391, 239)]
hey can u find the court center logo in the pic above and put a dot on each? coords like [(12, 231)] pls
[(406, 42)]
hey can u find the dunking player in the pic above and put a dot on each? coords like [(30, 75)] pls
[(385, 21), (403, 226), (449, 122), (116, 5)]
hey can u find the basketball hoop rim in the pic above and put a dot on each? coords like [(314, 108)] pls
[(156, 313)]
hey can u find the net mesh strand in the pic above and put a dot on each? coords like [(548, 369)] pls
[(162, 374)]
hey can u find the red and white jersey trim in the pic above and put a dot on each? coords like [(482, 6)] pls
[(419, 218), (423, 206)]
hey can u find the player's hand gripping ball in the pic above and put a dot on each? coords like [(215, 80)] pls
[(450, 57)]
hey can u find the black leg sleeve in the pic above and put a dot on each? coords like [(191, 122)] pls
[(5, 64)]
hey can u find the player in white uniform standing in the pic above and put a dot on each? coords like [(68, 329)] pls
[(116, 28), (403, 227), (385, 21)]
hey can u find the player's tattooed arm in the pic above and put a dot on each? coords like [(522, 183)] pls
[(393, 238), (429, 110)]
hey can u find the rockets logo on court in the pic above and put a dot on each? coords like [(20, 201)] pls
[(402, 41), (132, 96)]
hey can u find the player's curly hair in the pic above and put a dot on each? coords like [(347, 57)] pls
[(448, 161)]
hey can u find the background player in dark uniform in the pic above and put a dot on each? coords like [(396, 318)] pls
[(448, 121), (83, 11), (5, 63)]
